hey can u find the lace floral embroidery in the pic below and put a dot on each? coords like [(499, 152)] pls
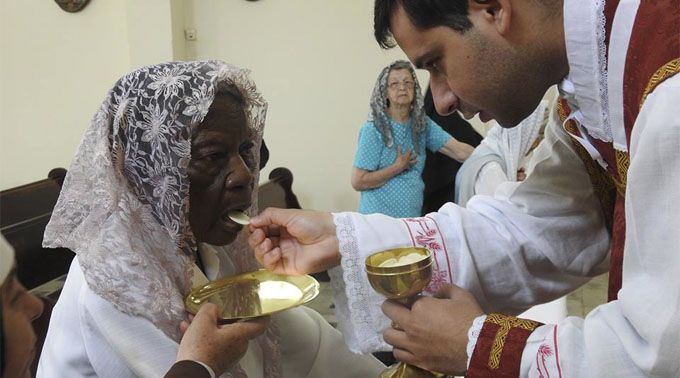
[(354, 292), (602, 71)]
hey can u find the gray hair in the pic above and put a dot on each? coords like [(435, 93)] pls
[(379, 103)]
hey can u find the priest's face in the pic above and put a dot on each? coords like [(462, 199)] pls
[(220, 172), (475, 72), (19, 309)]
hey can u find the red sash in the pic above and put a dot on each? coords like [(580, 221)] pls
[(653, 56)]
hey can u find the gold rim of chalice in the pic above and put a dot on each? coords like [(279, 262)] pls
[(374, 261), (398, 280), (254, 294)]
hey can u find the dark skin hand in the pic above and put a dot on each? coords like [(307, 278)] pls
[(433, 332), (218, 346)]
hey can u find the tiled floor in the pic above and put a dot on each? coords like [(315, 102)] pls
[(581, 301)]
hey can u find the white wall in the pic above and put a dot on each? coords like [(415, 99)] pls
[(56, 67), (316, 63)]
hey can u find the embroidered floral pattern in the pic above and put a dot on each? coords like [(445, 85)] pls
[(356, 296), (425, 233), (546, 356), (544, 351)]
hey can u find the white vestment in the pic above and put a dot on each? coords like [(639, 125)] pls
[(514, 146), (546, 236), (89, 337)]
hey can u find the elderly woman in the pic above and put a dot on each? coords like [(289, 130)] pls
[(391, 151), (172, 150)]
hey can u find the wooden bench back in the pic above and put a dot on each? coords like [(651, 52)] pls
[(24, 214)]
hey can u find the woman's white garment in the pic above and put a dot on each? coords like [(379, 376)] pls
[(490, 177), (484, 173), (89, 337), (513, 146)]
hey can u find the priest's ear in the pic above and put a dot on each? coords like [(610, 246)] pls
[(493, 13)]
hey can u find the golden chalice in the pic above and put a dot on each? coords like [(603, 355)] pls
[(401, 274)]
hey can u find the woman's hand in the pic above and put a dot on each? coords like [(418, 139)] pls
[(521, 174), (218, 346), (457, 150), (289, 241), (406, 160)]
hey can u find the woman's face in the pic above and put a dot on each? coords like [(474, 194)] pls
[(19, 309), (400, 86), (220, 172)]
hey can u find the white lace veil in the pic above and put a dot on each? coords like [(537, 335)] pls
[(512, 144), (124, 204), (379, 100)]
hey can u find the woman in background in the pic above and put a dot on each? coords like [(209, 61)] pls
[(391, 150)]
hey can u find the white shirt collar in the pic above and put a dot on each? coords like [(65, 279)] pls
[(586, 85)]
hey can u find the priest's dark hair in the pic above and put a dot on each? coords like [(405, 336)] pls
[(424, 14)]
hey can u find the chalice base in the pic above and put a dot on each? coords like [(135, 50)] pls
[(404, 370)]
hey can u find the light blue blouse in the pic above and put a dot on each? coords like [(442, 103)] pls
[(402, 195)]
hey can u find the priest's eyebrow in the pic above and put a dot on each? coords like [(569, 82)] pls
[(424, 59)]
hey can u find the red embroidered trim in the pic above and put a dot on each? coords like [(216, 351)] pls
[(425, 232), (499, 348), (547, 355), (557, 355), (446, 251), (544, 352)]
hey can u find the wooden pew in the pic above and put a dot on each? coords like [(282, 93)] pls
[(278, 191), (24, 213)]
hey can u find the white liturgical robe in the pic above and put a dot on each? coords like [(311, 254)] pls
[(546, 236)]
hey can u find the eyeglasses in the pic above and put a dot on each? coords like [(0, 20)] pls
[(401, 84)]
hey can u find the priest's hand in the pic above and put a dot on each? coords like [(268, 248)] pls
[(433, 333), (289, 241), (218, 346)]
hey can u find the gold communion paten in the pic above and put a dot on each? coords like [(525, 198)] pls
[(253, 294)]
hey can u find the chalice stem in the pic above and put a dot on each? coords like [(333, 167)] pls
[(407, 302)]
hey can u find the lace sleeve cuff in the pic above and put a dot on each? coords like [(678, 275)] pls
[(357, 306), (473, 334)]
